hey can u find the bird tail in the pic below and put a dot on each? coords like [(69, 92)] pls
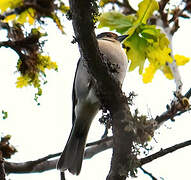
[(73, 153)]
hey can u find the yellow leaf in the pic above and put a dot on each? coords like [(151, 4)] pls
[(163, 41), (58, 23), (64, 8), (167, 71), (5, 4), (31, 16), (149, 73), (103, 2), (146, 9), (36, 81), (181, 60), (10, 18), (158, 55), (45, 62), (22, 81), (27, 16), (22, 17), (41, 67)]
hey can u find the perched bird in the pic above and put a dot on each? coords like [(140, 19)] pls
[(85, 103)]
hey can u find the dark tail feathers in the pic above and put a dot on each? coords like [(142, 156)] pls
[(73, 153)]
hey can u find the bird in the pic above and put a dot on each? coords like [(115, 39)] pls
[(85, 103)]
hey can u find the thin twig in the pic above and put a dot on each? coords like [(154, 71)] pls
[(178, 14), (163, 152), (172, 112), (62, 176), (148, 173), (188, 93), (162, 5)]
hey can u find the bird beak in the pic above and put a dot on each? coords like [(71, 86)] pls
[(121, 38)]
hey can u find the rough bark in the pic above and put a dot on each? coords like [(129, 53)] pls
[(2, 169)]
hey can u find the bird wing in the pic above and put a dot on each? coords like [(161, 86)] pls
[(74, 99)]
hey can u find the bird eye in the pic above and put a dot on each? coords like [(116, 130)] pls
[(109, 35)]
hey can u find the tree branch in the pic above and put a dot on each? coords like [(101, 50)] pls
[(82, 19), (163, 152), (188, 93), (38, 165), (162, 4), (128, 8), (2, 168), (176, 13), (44, 164), (98, 147), (101, 141), (176, 108)]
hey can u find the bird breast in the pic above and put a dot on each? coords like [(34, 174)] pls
[(113, 52)]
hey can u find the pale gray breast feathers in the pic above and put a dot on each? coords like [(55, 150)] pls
[(114, 53)]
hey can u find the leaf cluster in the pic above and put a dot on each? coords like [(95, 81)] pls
[(145, 41), (30, 11), (21, 19)]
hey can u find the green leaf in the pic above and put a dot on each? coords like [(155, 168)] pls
[(137, 52), (146, 9), (64, 8), (116, 21), (5, 114), (149, 32)]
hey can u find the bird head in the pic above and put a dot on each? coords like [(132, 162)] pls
[(109, 36)]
